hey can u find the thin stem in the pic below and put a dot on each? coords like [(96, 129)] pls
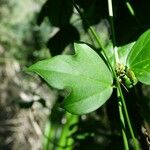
[(130, 8), (127, 116), (97, 38), (132, 12), (110, 10), (111, 16), (119, 91), (123, 128)]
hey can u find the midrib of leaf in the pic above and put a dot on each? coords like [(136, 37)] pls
[(79, 75), (136, 54), (91, 95)]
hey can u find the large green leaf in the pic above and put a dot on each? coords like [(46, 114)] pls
[(84, 75), (139, 58)]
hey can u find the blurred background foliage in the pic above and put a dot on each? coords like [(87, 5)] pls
[(30, 112), (18, 31)]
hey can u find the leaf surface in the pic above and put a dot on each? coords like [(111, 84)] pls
[(139, 58), (85, 76), (123, 52)]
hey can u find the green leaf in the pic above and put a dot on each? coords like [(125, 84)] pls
[(85, 76), (138, 59), (110, 53), (123, 52)]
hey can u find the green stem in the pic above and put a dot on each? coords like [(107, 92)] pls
[(123, 128), (97, 38), (119, 91), (130, 8), (131, 11), (110, 9), (111, 16), (127, 116)]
